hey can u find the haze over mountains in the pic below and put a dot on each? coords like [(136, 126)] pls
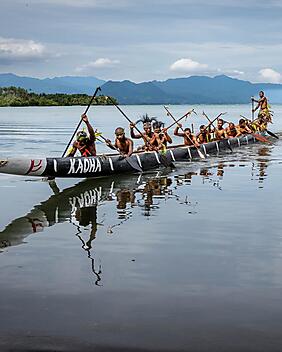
[(188, 90)]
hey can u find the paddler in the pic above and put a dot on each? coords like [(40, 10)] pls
[(147, 127), (123, 144), (189, 138), (231, 130), (220, 132), (203, 136), (160, 136), (260, 124), (242, 128), (84, 142), (263, 106)]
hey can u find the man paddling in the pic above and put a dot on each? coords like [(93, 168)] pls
[(263, 106), (84, 143), (147, 127), (242, 128), (189, 138), (203, 136), (220, 131), (160, 136), (123, 144), (231, 130)]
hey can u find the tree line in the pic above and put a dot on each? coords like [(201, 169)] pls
[(15, 96)]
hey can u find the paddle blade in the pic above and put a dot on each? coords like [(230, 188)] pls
[(261, 138), (133, 163), (272, 134), (201, 154)]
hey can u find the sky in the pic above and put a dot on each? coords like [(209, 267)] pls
[(142, 40)]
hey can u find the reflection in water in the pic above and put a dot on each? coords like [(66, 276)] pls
[(81, 203)]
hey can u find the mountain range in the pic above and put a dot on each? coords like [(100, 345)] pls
[(188, 90)]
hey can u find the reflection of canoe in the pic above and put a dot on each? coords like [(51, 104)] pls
[(104, 165), (60, 207)]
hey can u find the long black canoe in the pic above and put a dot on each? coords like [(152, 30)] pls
[(103, 165)]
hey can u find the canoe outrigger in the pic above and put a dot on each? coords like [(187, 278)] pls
[(108, 164)]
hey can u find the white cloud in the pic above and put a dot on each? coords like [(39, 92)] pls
[(98, 64), (270, 76), (20, 50), (188, 66)]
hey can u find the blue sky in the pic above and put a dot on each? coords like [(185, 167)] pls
[(142, 40)]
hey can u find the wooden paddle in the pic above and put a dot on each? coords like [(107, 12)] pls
[(253, 106), (133, 163), (175, 121), (77, 127), (181, 118), (162, 158)]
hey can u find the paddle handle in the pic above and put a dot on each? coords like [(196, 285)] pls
[(206, 116), (128, 119), (77, 127), (253, 106), (175, 121), (180, 118)]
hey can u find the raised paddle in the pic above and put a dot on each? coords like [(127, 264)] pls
[(162, 158), (85, 112), (180, 118), (175, 121), (130, 161), (228, 145), (267, 131), (253, 107)]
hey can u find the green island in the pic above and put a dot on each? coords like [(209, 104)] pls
[(15, 96)]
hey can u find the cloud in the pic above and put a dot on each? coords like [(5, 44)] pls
[(270, 76), (188, 66), (98, 64), (12, 50)]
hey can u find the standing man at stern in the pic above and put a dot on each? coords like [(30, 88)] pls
[(263, 107)]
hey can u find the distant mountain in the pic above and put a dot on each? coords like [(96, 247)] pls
[(191, 90), (67, 84), (133, 93), (188, 90)]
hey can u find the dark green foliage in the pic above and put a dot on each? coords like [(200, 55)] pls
[(13, 96)]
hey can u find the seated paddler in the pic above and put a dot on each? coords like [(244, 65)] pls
[(242, 128), (84, 142), (160, 137), (123, 144), (147, 133), (220, 132), (189, 138), (231, 130), (203, 136)]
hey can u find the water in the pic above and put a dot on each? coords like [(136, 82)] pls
[(175, 260)]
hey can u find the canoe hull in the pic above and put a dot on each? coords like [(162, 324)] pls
[(104, 165)]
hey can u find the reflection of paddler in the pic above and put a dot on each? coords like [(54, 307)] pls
[(155, 187), (124, 196), (220, 170), (85, 217)]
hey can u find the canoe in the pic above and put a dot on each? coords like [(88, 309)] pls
[(108, 164)]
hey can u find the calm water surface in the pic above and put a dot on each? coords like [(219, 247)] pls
[(188, 259)]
